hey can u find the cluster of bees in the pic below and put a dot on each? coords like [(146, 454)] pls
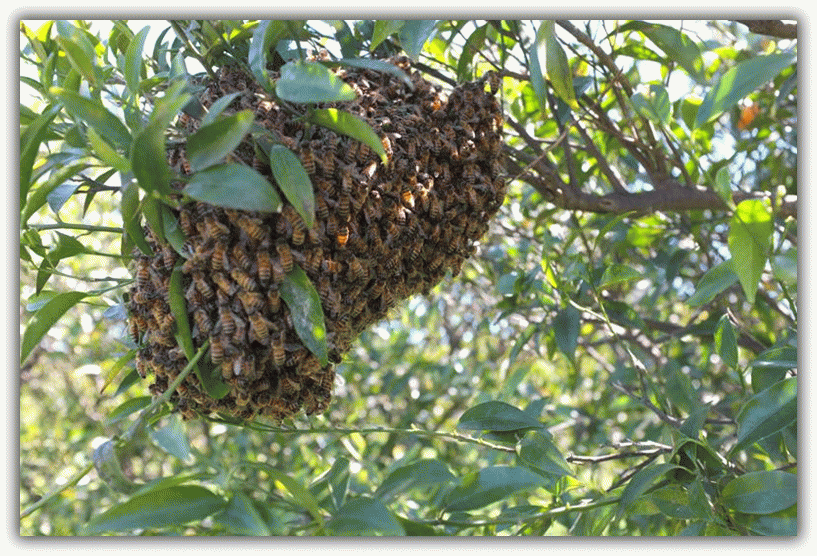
[(382, 233)]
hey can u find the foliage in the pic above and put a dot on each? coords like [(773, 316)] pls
[(619, 358)]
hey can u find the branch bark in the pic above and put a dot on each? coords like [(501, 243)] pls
[(771, 27)]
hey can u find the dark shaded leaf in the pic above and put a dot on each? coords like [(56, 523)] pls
[(158, 509), (496, 416), (93, 113), (233, 186), (490, 485), (420, 474), (365, 517), (538, 451), (414, 34), (715, 281), (304, 304), (767, 413), (349, 124), (240, 517), (641, 482), (293, 181), (760, 492), (133, 60), (750, 237), (726, 342), (212, 142), (383, 29)]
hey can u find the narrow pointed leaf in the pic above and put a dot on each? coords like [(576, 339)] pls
[(265, 36), (420, 474), (158, 509), (211, 143), (133, 60), (45, 318), (217, 108), (538, 451), (767, 412), (384, 29), (304, 305), (738, 82), (715, 281), (491, 485), (377, 65), (641, 482), (761, 492), (241, 517), (558, 68), (293, 181), (496, 416), (726, 342), (233, 186), (30, 143), (750, 236), (93, 113)]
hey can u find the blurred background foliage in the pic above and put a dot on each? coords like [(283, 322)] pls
[(599, 367)]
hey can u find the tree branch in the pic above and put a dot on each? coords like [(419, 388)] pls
[(771, 27)]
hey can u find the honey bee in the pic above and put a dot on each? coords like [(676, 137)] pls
[(308, 159), (252, 227), (186, 223), (436, 208), (278, 351), (143, 275), (202, 286), (296, 224), (330, 266), (203, 322), (321, 207), (274, 300), (243, 279), (278, 274), (351, 151), (133, 329), (141, 297), (168, 257), (223, 284), (284, 255), (324, 288), (219, 257), (241, 257), (356, 270), (215, 229), (343, 207), (342, 236), (260, 326), (216, 349), (264, 265), (227, 320), (252, 302)]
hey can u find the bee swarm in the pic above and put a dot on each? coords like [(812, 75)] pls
[(382, 234)]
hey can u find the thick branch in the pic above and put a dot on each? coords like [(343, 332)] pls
[(771, 27)]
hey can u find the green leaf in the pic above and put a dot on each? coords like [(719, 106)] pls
[(771, 365), (784, 267), (420, 474), (77, 56), (349, 124), (566, 325), (45, 318), (538, 451), (377, 65), (537, 78), (473, 44), (384, 29), (158, 509), (780, 524), (653, 105), (760, 492), (131, 218), (241, 517), (767, 412), (267, 34), (212, 142), (30, 142), (726, 342), (558, 68), (673, 501), (496, 416), (40, 195), (490, 485), (106, 153), (109, 468), (307, 314), (293, 181), (311, 82), (217, 108), (233, 186), (301, 495), (715, 281), (738, 82), (617, 273), (750, 237), (133, 60), (675, 44), (641, 482), (413, 35), (209, 374), (365, 516), (93, 113), (723, 186), (172, 438)]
